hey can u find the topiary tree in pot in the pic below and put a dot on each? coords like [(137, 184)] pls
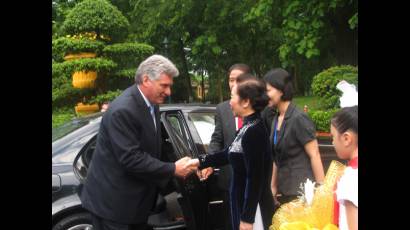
[(92, 53)]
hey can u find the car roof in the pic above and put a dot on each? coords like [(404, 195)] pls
[(187, 107), (94, 121), (163, 107)]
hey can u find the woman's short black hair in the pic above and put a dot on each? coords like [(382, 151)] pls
[(346, 119), (254, 89), (281, 80)]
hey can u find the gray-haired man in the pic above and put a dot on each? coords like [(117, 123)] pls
[(125, 172)]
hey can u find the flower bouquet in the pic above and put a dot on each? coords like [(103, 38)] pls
[(314, 208)]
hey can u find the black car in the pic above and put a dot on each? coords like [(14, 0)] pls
[(184, 204)]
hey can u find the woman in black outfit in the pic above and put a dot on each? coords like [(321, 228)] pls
[(249, 156), (293, 139)]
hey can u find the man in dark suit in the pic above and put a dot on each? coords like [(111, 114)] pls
[(125, 172)]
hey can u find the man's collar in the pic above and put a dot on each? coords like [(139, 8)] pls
[(143, 96)]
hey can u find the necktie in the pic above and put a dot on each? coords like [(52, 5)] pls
[(239, 123), (152, 111)]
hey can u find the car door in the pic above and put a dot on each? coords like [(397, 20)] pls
[(193, 199), (201, 123)]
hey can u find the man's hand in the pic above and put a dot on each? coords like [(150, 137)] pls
[(245, 226), (204, 173), (194, 163), (184, 167)]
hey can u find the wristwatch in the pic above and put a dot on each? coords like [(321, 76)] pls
[(201, 159)]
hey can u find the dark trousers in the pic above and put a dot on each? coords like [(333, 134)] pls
[(227, 210), (104, 224)]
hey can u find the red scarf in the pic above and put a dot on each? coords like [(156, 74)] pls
[(239, 123), (354, 163)]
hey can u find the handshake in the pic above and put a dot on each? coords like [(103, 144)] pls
[(185, 166)]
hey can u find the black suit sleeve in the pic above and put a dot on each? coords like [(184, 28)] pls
[(304, 129), (267, 116), (217, 139), (126, 144)]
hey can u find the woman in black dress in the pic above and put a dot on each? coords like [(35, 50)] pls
[(249, 156)]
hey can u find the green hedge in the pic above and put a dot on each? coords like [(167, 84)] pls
[(62, 115), (108, 96), (63, 46), (130, 48), (99, 16), (66, 95), (128, 55), (324, 84), (94, 64), (126, 73), (321, 119)]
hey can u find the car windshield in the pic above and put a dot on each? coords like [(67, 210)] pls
[(204, 124), (66, 128)]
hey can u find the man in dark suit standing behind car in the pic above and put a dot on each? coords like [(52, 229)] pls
[(125, 172)]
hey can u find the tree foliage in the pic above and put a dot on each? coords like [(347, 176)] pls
[(128, 55), (321, 118), (64, 45), (324, 84), (206, 37), (99, 16), (108, 96), (218, 34), (94, 26)]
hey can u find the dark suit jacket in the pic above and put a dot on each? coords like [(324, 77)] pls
[(222, 138), (125, 172), (267, 116), (290, 156)]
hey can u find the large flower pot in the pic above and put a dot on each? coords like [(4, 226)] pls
[(75, 56), (323, 134), (84, 79), (84, 109)]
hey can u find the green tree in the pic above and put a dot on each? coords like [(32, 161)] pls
[(313, 34), (216, 34), (60, 9), (98, 16), (304, 37), (324, 84), (87, 29)]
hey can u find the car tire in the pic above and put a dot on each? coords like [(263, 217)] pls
[(79, 221)]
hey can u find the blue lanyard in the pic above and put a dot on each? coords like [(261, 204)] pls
[(275, 138)]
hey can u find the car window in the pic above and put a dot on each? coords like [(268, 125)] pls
[(181, 134), (204, 124), (73, 125), (173, 120)]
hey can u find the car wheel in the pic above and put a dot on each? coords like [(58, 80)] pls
[(79, 221)]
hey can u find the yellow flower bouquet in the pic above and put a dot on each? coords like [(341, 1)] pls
[(314, 209)]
